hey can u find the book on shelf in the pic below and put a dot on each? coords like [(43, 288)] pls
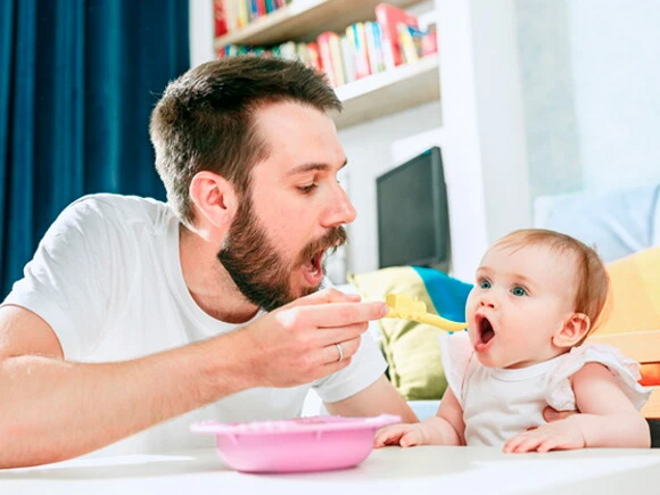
[(389, 17), (360, 50), (220, 18), (232, 15)]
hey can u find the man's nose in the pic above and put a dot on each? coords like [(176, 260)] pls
[(340, 211)]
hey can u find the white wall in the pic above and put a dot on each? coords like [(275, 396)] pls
[(590, 79), (372, 150), (616, 69), (201, 31)]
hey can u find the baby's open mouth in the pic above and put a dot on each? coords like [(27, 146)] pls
[(486, 331)]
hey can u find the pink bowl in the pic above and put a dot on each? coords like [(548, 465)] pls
[(319, 443)]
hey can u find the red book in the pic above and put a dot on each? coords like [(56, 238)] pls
[(220, 18), (389, 17), (314, 55), (325, 54), (261, 8)]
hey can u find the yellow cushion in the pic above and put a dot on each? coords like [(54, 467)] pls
[(634, 302), (412, 349)]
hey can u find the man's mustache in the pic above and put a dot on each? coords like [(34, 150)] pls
[(334, 238)]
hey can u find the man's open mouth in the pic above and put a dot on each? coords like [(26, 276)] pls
[(313, 268), (317, 261)]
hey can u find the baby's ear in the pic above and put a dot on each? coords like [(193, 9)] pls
[(573, 331)]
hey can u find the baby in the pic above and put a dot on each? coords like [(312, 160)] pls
[(538, 295)]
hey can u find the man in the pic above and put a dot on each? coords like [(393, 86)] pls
[(136, 318)]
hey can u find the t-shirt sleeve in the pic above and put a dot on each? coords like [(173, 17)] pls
[(68, 282), (366, 367)]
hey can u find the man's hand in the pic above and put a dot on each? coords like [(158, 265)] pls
[(297, 343)]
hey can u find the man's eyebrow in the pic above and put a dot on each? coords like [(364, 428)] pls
[(310, 167)]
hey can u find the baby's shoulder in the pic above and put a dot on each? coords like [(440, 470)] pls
[(589, 359)]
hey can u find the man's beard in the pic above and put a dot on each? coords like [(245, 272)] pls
[(257, 268)]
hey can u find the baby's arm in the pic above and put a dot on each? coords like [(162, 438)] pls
[(445, 428), (608, 418)]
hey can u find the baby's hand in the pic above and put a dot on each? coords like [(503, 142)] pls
[(406, 435), (560, 435)]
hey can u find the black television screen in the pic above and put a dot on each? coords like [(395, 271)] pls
[(413, 221)]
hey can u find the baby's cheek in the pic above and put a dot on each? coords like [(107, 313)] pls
[(470, 306)]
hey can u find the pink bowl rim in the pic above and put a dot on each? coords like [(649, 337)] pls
[(298, 425)]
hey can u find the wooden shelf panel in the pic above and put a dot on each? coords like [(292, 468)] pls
[(389, 92), (304, 20)]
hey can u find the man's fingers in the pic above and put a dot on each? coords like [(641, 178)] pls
[(342, 314), (348, 349), (330, 315), (550, 414), (325, 296)]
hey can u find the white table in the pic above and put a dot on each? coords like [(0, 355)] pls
[(419, 470)]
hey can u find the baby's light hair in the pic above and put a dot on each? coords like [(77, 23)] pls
[(593, 281)]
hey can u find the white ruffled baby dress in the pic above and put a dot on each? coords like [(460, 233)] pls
[(500, 403)]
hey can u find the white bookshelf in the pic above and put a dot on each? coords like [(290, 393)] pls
[(305, 20), (382, 94), (479, 113)]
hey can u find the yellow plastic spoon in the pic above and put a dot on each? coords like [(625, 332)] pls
[(407, 308)]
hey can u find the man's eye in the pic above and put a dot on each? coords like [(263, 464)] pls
[(485, 284), (307, 189), (518, 291)]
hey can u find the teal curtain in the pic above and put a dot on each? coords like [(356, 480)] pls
[(78, 80)]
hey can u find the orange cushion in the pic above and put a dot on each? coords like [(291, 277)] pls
[(634, 302), (650, 374)]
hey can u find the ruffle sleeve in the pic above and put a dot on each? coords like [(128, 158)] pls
[(559, 392), (455, 352)]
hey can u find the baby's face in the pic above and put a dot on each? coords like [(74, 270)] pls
[(521, 298)]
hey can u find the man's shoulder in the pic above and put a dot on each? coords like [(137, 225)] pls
[(119, 208)]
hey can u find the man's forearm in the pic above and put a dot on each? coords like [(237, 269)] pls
[(53, 410)]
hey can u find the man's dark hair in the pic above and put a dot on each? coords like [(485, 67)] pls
[(205, 119)]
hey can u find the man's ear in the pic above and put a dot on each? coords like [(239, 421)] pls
[(215, 201), (573, 331)]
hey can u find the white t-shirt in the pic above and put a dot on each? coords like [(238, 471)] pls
[(501, 403), (107, 278)]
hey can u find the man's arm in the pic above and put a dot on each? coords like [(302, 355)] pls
[(53, 409), (378, 398)]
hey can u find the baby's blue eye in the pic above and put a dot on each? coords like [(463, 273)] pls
[(485, 284), (518, 291)]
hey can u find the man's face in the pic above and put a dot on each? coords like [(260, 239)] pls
[(294, 210)]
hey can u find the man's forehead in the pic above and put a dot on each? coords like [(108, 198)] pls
[(299, 136), (280, 119)]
